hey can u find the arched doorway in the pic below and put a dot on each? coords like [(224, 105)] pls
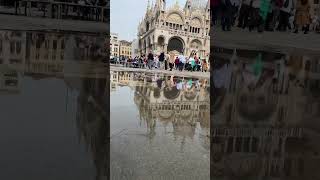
[(196, 47), (161, 43), (176, 44), (171, 92)]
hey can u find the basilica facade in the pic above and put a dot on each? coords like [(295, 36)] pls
[(183, 30)]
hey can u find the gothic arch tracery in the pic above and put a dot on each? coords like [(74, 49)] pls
[(175, 17)]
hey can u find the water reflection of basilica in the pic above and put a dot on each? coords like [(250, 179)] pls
[(30, 56), (180, 102), (44, 53), (47, 52), (93, 122), (265, 115)]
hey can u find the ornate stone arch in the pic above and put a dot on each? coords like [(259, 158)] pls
[(196, 21), (196, 44), (161, 41), (176, 43), (175, 16), (195, 47), (190, 94), (171, 92)]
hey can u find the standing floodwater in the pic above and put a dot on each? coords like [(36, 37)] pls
[(53, 106), (159, 127)]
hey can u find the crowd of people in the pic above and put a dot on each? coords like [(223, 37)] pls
[(170, 62), (265, 15)]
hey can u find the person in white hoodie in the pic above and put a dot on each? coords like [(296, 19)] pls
[(285, 11)]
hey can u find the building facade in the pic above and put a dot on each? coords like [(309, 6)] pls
[(135, 48), (46, 52), (125, 49), (184, 30), (114, 45)]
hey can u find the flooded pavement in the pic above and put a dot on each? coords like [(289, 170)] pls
[(265, 115), (159, 127), (54, 106)]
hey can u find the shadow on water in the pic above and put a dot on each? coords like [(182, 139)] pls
[(159, 123), (265, 114), (54, 101)]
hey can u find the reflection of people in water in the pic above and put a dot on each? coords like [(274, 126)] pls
[(256, 99), (181, 114), (159, 83), (179, 85), (219, 83)]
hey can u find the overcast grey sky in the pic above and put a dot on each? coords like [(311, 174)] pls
[(126, 14)]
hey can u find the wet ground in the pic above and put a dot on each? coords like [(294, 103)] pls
[(159, 127)]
